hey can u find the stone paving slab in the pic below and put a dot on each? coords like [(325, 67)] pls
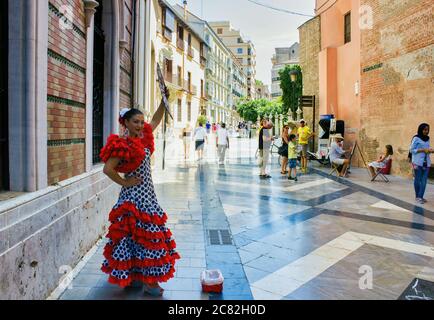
[(274, 226)]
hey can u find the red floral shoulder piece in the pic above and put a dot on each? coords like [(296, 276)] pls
[(148, 138), (130, 150)]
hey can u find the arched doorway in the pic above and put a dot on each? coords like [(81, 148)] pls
[(4, 127), (98, 85)]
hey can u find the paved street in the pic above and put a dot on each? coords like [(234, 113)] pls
[(318, 238)]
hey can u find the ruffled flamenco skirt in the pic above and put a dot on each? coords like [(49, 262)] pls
[(140, 246)]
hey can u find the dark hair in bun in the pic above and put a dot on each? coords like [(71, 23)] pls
[(128, 115)]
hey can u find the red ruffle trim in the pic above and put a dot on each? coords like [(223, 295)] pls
[(137, 263), (139, 277), (131, 150), (129, 207), (148, 138), (118, 231)]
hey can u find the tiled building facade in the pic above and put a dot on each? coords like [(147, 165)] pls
[(67, 69)]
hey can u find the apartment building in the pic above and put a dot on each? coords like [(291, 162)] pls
[(282, 58), (262, 91), (243, 50), (181, 53), (225, 82)]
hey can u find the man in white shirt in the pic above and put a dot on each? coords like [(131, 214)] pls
[(222, 143), (200, 137), (337, 154)]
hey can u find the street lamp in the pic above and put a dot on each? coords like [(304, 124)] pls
[(293, 75)]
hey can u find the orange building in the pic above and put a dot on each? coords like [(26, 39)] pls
[(339, 62)]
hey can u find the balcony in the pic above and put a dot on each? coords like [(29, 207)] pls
[(189, 88), (209, 72), (180, 44), (173, 79), (190, 52), (168, 77), (203, 61)]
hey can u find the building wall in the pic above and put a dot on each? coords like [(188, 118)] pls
[(310, 46), (396, 77), (230, 37), (125, 96), (66, 93), (339, 65), (46, 232), (168, 48)]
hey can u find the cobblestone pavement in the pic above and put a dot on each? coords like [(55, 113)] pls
[(318, 238)]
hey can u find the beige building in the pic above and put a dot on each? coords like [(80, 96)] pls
[(282, 58), (262, 91), (243, 50), (225, 81), (180, 51)]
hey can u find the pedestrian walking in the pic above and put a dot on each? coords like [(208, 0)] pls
[(265, 140), (304, 134), (140, 247), (283, 150), (208, 127), (200, 139), (420, 158), (292, 157), (186, 139), (222, 143)]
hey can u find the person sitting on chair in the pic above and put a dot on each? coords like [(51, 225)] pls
[(381, 162), (337, 154)]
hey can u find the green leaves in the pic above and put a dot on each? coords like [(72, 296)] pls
[(249, 110), (201, 119), (291, 90)]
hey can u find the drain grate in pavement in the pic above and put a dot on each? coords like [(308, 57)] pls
[(219, 237)]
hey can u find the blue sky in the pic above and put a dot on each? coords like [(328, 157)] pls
[(267, 28)]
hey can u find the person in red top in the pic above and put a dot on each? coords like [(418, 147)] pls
[(140, 246)]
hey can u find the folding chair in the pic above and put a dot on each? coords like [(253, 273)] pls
[(382, 171), (336, 168)]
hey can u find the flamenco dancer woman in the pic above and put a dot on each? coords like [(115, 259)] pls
[(140, 246)]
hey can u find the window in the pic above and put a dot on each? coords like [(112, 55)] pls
[(201, 88), (179, 110), (347, 27), (189, 40), (168, 70), (168, 23), (179, 76), (189, 81), (239, 40), (239, 50), (189, 111), (219, 30)]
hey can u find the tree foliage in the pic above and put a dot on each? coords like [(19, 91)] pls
[(201, 119), (291, 90), (250, 109)]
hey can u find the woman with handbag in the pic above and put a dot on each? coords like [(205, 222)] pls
[(283, 150), (420, 158)]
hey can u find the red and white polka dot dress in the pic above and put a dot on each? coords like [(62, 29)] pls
[(140, 246)]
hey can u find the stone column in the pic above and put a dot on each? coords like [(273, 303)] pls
[(281, 121), (90, 10), (28, 45)]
